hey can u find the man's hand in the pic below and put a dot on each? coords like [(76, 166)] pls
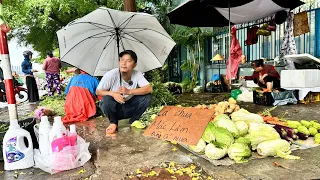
[(123, 90), (241, 77), (118, 97)]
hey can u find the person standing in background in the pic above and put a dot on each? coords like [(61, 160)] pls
[(52, 66), (26, 67)]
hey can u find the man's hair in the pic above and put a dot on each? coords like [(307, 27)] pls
[(50, 54), (77, 71), (131, 53), (257, 63)]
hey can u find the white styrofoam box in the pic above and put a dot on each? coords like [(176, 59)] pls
[(302, 78)]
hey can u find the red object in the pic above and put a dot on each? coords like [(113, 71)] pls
[(73, 140), (79, 106), (58, 144), (4, 28), (9, 88), (3, 43), (236, 53), (267, 69), (252, 37)]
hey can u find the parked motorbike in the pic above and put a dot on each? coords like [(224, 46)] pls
[(21, 93)]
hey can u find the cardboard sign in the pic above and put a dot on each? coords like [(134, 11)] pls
[(180, 124), (300, 24)]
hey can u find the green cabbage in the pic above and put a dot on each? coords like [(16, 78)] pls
[(242, 127), (259, 133), (200, 147), (223, 138), (243, 140), (246, 116), (239, 152), (208, 134), (276, 148), (215, 153), (224, 121), (317, 138)]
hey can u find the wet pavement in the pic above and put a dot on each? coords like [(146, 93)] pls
[(112, 159)]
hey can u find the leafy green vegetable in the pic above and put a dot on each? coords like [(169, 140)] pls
[(200, 147), (259, 133), (305, 123), (224, 121), (276, 148), (56, 103), (315, 124), (208, 134), (246, 116), (214, 152), (243, 140), (223, 138), (239, 152), (303, 130), (242, 127)]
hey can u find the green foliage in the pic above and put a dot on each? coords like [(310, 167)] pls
[(55, 102), (35, 22), (160, 95)]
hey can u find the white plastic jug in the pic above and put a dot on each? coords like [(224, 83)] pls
[(16, 154), (44, 130), (57, 127)]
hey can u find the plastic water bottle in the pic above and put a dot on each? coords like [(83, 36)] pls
[(44, 130), (16, 154)]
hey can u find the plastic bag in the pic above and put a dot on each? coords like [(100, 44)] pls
[(69, 157)]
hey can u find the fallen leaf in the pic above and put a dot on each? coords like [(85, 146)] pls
[(40, 173), (170, 170), (171, 164), (138, 171), (81, 171), (174, 149), (165, 143), (152, 173), (190, 154), (15, 175), (86, 178), (173, 177), (192, 166), (174, 142), (209, 178), (22, 173)]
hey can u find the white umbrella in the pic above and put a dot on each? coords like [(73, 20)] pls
[(93, 42)]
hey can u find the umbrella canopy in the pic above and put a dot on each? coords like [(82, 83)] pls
[(213, 13), (93, 42)]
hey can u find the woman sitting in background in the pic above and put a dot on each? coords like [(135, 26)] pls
[(266, 76)]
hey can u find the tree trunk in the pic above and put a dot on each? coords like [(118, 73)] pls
[(130, 5)]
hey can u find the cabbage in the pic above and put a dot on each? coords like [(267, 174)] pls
[(208, 134), (212, 152), (242, 127), (246, 116), (243, 140), (259, 133), (276, 148), (200, 147), (223, 138), (224, 121), (239, 152)]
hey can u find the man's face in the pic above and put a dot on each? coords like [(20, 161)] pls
[(127, 64)]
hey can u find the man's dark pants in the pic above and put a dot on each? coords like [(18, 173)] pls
[(133, 108)]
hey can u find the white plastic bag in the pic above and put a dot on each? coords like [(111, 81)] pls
[(69, 157)]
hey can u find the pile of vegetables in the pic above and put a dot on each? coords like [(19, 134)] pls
[(147, 117), (299, 130), (239, 136), (225, 107), (56, 103)]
